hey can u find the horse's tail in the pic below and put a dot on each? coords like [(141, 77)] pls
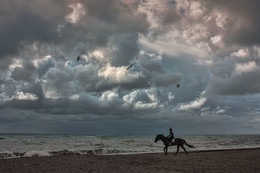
[(191, 146)]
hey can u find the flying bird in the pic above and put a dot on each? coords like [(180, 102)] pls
[(78, 58), (130, 66)]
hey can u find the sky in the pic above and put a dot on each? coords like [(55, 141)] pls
[(210, 48)]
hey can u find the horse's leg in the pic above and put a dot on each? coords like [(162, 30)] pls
[(165, 150), (177, 150), (184, 149)]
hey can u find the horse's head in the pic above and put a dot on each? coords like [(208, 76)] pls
[(158, 137)]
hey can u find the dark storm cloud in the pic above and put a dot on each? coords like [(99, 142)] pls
[(105, 21), (167, 80), (45, 22), (41, 80), (172, 15), (151, 62), (33, 21), (44, 25), (243, 25), (230, 31), (235, 22), (127, 49), (43, 67), (234, 70), (236, 73), (24, 73), (246, 83), (116, 16)]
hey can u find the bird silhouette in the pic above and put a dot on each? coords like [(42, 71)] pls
[(130, 66)]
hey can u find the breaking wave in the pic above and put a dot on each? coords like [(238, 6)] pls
[(38, 145), (8, 154)]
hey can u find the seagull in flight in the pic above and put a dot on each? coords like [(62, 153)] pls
[(130, 66)]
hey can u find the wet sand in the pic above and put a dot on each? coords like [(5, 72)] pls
[(239, 160)]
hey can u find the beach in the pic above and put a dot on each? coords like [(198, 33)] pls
[(233, 160)]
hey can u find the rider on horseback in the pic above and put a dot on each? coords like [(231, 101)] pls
[(170, 136)]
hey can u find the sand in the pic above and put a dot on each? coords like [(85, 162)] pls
[(239, 160)]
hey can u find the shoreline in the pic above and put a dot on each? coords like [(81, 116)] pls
[(228, 160), (65, 152), (35, 153)]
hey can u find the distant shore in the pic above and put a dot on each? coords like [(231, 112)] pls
[(231, 160)]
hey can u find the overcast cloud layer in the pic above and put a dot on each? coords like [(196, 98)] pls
[(210, 48)]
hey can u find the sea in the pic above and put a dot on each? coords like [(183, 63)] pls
[(35, 145)]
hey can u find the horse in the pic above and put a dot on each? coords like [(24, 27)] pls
[(177, 141)]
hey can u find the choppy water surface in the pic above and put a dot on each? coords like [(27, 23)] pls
[(28, 145)]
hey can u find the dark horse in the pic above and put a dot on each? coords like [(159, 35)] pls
[(177, 141)]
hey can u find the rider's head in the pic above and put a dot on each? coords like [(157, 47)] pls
[(170, 129)]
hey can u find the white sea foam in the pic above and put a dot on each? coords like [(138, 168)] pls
[(6, 154), (36, 154), (31, 145)]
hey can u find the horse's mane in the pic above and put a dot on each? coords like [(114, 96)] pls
[(160, 135)]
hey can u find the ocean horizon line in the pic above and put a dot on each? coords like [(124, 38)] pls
[(101, 134)]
